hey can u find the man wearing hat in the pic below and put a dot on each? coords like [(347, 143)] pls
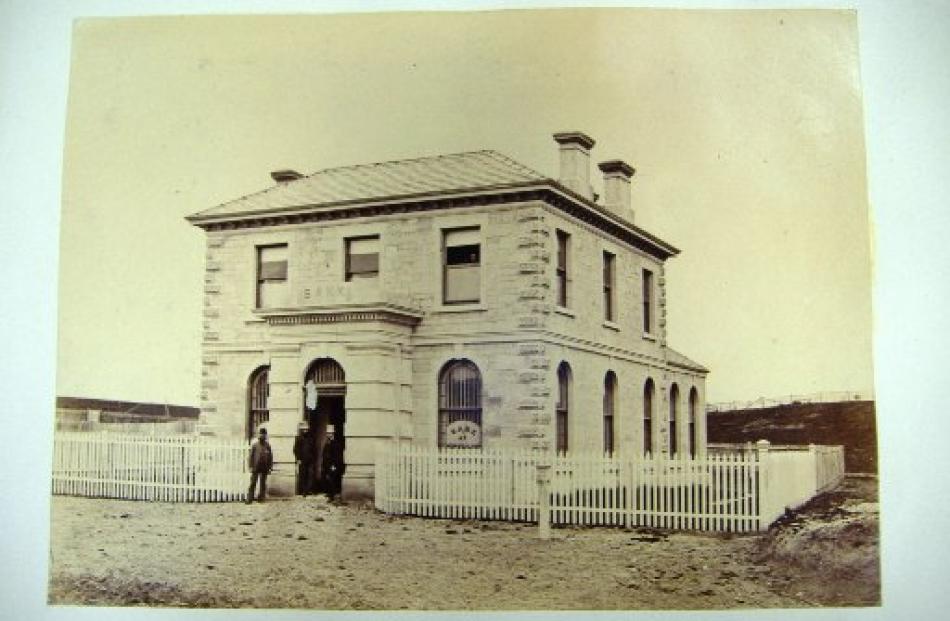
[(260, 461), (333, 465), (304, 449)]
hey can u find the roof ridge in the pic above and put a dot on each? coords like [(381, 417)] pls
[(407, 160)]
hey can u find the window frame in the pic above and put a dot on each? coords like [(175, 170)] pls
[(561, 268), (259, 276), (258, 394), (674, 415), (609, 277), (649, 395), (649, 302), (562, 409), (447, 268), (461, 412), (610, 409), (348, 273)]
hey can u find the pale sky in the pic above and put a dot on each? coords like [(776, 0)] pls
[(745, 128)]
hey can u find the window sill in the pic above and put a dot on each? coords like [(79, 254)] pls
[(611, 325), (562, 310), (460, 308), (649, 337)]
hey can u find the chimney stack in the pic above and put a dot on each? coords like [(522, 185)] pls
[(617, 174), (575, 162), (285, 175)]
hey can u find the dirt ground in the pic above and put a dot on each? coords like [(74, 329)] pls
[(306, 553)]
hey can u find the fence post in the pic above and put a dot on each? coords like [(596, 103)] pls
[(544, 498), (765, 495)]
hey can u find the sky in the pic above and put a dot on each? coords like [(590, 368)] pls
[(903, 52), (746, 130)]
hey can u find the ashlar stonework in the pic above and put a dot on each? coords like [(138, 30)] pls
[(455, 300)]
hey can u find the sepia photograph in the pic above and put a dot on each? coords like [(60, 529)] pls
[(497, 310)]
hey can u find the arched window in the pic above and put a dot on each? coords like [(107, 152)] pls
[(693, 406), (648, 416), (610, 402), (561, 408), (258, 390), (460, 405), (674, 414)]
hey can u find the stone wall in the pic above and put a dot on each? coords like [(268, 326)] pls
[(515, 334)]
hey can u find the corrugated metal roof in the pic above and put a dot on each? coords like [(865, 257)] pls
[(456, 173), (674, 357)]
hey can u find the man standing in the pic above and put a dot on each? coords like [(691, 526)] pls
[(303, 452), (260, 462), (333, 465)]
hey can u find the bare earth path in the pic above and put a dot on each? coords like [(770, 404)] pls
[(305, 553)]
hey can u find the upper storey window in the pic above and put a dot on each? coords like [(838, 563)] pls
[(562, 244), (609, 286), (648, 312), (272, 289), (461, 266), (362, 257)]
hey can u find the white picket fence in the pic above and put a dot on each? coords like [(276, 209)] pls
[(729, 491), (185, 468)]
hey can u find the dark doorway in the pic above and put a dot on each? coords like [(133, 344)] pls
[(328, 416)]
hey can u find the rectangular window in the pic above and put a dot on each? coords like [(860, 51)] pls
[(648, 301), (272, 288), (608, 286), (562, 242), (362, 257), (461, 266)]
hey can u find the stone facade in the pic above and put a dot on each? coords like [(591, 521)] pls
[(392, 333)]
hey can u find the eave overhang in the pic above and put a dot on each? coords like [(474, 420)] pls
[(549, 191)]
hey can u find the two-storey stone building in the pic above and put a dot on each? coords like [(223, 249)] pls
[(459, 300)]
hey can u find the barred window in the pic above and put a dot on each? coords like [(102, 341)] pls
[(561, 408), (674, 414), (460, 405), (693, 406), (257, 410), (648, 416)]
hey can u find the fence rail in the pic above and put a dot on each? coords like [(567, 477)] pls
[(767, 402), (739, 490), (184, 468)]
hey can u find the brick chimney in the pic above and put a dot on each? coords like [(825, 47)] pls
[(617, 174), (575, 162)]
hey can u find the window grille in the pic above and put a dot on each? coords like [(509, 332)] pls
[(460, 400), (259, 390), (610, 396), (561, 408), (648, 416)]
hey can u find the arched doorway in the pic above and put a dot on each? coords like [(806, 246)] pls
[(324, 410)]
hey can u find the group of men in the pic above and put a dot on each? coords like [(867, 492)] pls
[(330, 462)]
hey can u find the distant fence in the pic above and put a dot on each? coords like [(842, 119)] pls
[(764, 402), (183, 468), (733, 491), (158, 428)]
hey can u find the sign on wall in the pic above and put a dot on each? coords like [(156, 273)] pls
[(463, 433)]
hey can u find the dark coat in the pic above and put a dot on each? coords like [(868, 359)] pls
[(304, 448), (261, 458)]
